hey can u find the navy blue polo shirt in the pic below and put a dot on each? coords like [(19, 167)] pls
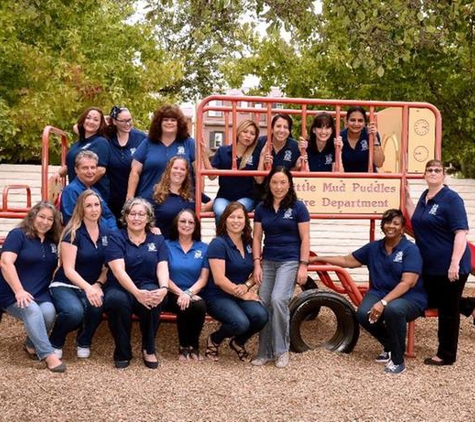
[(167, 211), (185, 267), (90, 257), (237, 268), (385, 271), (69, 197), (154, 157), (434, 227), (321, 160), (140, 261), (119, 164), (101, 147), (35, 264), (356, 160), (287, 156), (281, 231), (233, 188)]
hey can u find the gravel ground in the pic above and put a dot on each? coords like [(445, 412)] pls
[(317, 386)]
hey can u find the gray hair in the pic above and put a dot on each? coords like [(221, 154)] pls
[(85, 154), (148, 208)]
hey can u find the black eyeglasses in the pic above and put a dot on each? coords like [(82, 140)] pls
[(127, 122), (435, 170)]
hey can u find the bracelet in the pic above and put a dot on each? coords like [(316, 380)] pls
[(303, 262), (98, 282), (248, 286), (256, 259), (165, 287), (188, 292)]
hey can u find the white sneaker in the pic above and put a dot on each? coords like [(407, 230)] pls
[(283, 360), (83, 352), (58, 352), (260, 361)]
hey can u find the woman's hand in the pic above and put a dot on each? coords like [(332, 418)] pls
[(303, 143), (338, 142), (23, 299), (257, 273), (94, 295), (157, 296), (266, 156), (372, 128), (250, 296), (375, 312), (302, 274), (301, 161), (453, 273), (144, 297), (183, 301), (155, 230), (240, 290)]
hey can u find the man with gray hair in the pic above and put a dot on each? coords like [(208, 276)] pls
[(85, 165)]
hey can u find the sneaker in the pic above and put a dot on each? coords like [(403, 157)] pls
[(384, 357), (83, 352), (58, 352), (260, 361), (392, 368), (283, 360)]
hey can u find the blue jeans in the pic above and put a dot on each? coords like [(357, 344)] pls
[(38, 318), (275, 291), (240, 319), (220, 204), (390, 329), (74, 313), (119, 305)]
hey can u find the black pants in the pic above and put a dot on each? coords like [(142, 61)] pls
[(445, 295), (189, 321)]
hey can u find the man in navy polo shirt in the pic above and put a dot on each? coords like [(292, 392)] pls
[(86, 168)]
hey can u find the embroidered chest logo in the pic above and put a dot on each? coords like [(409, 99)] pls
[(132, 151), (328, 159), (198, 255), (54, 249), (86, 146), (398, 257), (249, 249), (151, 247), (288, 214), (433, 210), (104, 241), (288, 156), (250, 161), (364, 145), (180, 150)]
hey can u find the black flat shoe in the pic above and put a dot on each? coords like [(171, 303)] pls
[(433, 362), (148, 364), (58, 368), (121, 364), (30, 352)]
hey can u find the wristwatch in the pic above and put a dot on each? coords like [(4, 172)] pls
[(384, 302)]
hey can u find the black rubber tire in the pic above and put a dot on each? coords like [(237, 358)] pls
[(307, 303)]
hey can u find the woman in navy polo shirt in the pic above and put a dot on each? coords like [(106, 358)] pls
[(189, 273), (236, 188), (77, 285), (124, 140), (440, 227), (228, 297), (137, 282), (91, 127), (174, 193), (167, 137), (29, 258), (285, 222), (355, 151), (396, 292), (321, 143)]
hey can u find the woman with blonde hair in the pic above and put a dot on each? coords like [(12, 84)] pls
[(77, 285), (236, 188)]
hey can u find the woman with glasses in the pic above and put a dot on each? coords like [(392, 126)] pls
[(29, 258), (189, 273), (167, 137), (440, 227), (174, 193), (321, 143), (124, 140), (137, 282)]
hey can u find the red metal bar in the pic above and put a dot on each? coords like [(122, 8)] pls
[(47, 132)]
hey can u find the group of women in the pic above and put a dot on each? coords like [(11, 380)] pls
[(247, 288)]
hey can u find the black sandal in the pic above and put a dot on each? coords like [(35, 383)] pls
[(240, 351), (212, 350), (183, 354), (195, 354)]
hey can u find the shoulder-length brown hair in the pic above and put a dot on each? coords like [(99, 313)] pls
[(27, 224), (162, 189), (171, 111), (82, 118), (196, 235), (221, 227)]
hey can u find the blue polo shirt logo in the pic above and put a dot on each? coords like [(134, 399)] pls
[(198, 254), (151, 247), (250, 161), (328, 159), (54, 249), (288, 214), (364, 145), (249, 249), (433, 210), (132, 150), (180, 150), (86, 146), (104, 241), (399, 256), (288, 155)]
